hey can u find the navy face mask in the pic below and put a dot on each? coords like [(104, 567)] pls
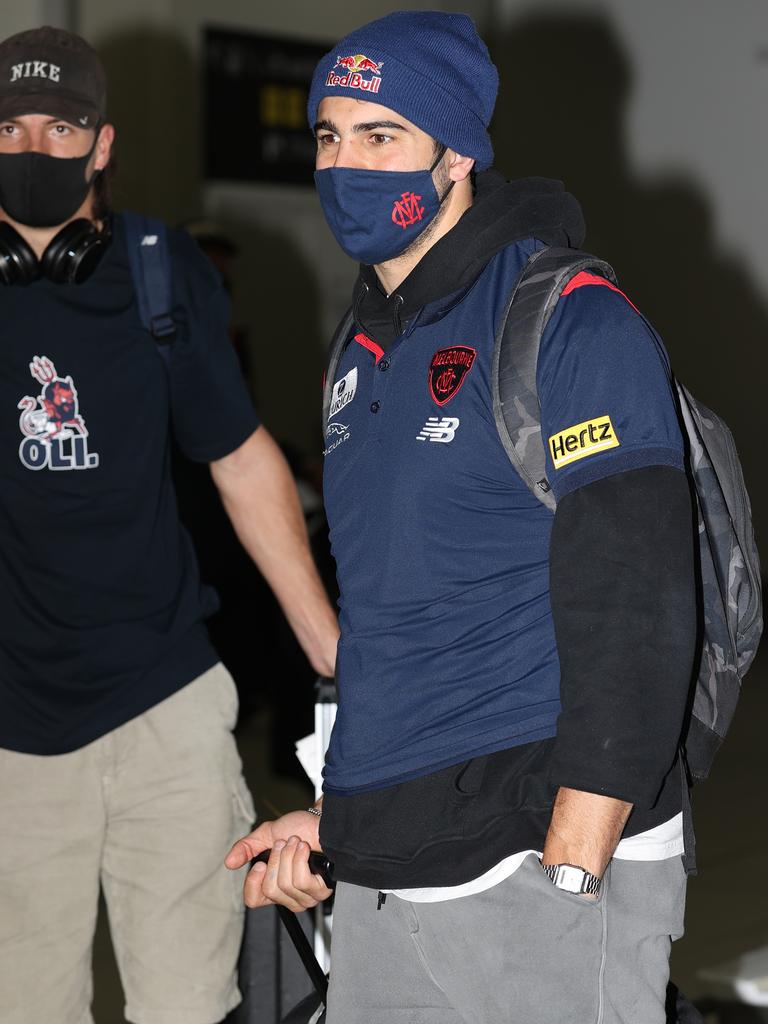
[(376, 215)]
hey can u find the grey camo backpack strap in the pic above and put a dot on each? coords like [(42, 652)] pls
[(335, 352), (516, 354)]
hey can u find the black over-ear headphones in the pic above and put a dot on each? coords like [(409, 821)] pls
[(69, 258)]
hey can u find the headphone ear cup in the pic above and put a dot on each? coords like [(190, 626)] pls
[(72, 254), (18, 262)]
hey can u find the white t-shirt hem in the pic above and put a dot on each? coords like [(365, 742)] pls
[(659, 843)]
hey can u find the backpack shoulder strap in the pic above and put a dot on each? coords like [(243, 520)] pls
[(147, 244), (335, 353), (516, 353)]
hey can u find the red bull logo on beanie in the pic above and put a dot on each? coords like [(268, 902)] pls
[(354, 68), (55, 434), (359, 63)]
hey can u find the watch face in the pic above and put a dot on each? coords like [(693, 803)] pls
[(569, 878)]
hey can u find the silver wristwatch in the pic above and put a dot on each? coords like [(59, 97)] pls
[(572, 878)]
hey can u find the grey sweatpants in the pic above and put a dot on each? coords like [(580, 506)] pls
[(522, 952)]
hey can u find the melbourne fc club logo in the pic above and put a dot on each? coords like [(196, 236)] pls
[(447, 371), (353, 69), (55, 434), (406, 210)]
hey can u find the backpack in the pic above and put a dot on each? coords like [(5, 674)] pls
[(728, 562)]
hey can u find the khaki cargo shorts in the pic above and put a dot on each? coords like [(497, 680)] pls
[(148, 813)]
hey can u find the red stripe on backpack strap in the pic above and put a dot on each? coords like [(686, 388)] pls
[(585, 278), (365, 341)]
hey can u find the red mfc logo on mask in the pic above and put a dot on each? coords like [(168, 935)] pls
[(406, 210)]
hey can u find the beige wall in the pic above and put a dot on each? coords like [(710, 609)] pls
[(18, 15)]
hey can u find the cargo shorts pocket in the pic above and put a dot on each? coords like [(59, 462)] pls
[(245, 812), (226, 695), (243, 821)]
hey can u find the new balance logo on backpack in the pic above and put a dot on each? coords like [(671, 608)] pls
[(149, 257)]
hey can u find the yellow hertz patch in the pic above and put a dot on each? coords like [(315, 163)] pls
[(584, 439)]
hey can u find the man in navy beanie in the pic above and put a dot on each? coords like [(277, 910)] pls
[(502, 793)]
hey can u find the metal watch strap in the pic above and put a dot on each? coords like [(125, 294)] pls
[(590, 884)]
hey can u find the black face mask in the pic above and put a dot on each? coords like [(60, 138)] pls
[(43, 191)]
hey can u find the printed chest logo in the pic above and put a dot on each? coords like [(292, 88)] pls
[(55, 434), (448, 371), (344, 391), (354, 67), (336, 434), (581, 440), (443, 431)]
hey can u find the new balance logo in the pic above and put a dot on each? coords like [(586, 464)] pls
[(443, 430), (149, 240)]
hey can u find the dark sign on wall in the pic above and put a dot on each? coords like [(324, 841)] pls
[(256, 91)]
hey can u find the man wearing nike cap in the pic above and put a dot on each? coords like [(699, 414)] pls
[(502, 792), (56, 140), (118, 768)]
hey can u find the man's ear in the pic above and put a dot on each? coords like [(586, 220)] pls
[(459, 166), (104, 141)]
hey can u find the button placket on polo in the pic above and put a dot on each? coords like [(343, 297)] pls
[(377, 409)]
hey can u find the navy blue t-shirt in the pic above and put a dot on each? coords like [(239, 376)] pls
[(447, 647), (101, 602)]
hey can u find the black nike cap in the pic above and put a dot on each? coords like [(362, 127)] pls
[(50, 71)]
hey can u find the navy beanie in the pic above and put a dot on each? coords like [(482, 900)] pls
[(429, 66)]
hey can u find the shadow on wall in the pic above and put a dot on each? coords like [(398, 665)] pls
[(155, 102), (565, 82), (276, 296)]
